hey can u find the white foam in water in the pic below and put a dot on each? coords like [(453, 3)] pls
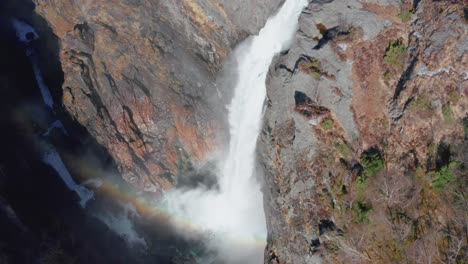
[(234, 215), (52, 158)]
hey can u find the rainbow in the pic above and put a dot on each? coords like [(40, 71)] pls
[(150, 209), (153, 211)]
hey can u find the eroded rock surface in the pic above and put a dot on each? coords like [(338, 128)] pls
[(363, 146), (140, 76)]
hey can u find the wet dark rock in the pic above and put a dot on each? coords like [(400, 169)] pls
[(307, 107), (301, 98), (315, 245), (443, 155), (332, 33), (326, 226)]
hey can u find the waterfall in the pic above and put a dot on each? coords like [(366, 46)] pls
[(234, 214)]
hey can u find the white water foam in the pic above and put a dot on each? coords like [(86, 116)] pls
[(234, 214)]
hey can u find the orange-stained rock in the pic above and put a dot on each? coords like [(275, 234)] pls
[(139, 76)]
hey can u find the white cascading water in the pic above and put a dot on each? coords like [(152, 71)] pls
[(234, 214)]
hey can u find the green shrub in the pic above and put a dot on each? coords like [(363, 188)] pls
[(395, 54), (432, 150), (444, 176), (362, 210), (405, 15), (372, 163), (419, 172), (345, 150), (315, 66), (421, 104), (316, 75), (361, 186), (447, 113), (328, 124)]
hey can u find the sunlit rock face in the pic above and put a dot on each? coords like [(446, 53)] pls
[(140, 76), (362, 111)]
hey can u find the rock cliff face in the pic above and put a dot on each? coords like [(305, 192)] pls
[(364, 146), (140, 76), (364, 142)]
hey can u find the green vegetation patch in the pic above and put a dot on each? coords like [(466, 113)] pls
[(316, 75), (444, 176), (447, 112), (405, 15), (362, 210), (361, 186), (315, 68), (432, 150), (372, 163), (345, 150), (395, 54), (419, 173), (328, 124), (421, 104)]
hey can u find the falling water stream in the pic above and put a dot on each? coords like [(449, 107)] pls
[(234, 214)]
